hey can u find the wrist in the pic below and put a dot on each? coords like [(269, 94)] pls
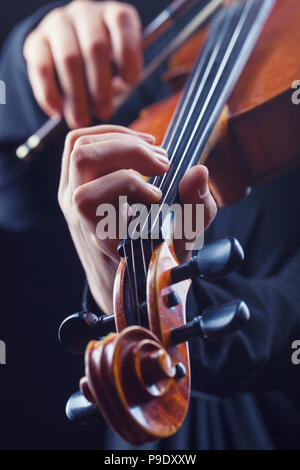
[(101, 284)]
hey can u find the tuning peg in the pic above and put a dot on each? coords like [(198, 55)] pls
[(77, 330), (215, 322), (80, 411), (214, 260)]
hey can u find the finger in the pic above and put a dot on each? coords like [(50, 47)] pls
[(73, 136), (88, 199), (111, 132), (96, 51), (112, 153), (109, 188), (194, 190), (69, 68), (124, 27), (119, 87), (41, 74)]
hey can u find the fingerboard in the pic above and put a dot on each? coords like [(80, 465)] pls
[(231, 40), (229, 43)]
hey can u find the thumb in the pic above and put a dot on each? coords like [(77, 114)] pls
[(194, 191)]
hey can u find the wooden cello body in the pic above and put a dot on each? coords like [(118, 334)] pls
[(257, 136)]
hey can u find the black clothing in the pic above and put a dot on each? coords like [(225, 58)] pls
[(244, 387)]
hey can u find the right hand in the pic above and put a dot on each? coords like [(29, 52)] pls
[(69, 59)]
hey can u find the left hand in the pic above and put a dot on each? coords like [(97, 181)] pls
[(97, 168)]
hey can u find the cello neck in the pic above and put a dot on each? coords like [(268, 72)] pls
[(230, 41)]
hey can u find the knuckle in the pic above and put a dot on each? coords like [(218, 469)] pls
[(142, 151), (82, 140), (98, 47), (70, 60), (124, 174), (81, 200), (77, 157), (71, 138), (131, 181), (125, 14), (129, 51), (77, 7), (42, 68), (30, 40), (55, 15), (45, 100), (135, 150)]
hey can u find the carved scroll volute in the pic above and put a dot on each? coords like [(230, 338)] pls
[(140, 382)]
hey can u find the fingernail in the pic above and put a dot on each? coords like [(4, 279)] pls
[(164, 160), (145, 136), (159, 150), (155, 190)]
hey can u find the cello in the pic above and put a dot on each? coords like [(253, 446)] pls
[(139, 376)]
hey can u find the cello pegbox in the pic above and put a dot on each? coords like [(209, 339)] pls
[(214, 260), (214, 323), (79, 410), (78, 329)]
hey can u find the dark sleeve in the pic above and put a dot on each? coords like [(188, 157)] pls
[(258, 357), (27, 191), (21, 115)]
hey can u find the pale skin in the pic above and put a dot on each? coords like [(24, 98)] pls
[(100, 163), (78, 44), (97, 167)]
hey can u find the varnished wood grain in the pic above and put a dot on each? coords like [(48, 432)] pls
[(261, 139)]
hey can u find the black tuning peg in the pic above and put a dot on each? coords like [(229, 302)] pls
[(214, 260), (80, 411), (77, 330), (215, 322)]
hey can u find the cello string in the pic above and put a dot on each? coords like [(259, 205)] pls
[(199, 19), (212, 88), (204, 58), (135, 282), (183, 35), (195, 99), (225, 60), (180, 139), (237, 64), (268, 5), (130, 284), (182, 107), (190, 89)]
